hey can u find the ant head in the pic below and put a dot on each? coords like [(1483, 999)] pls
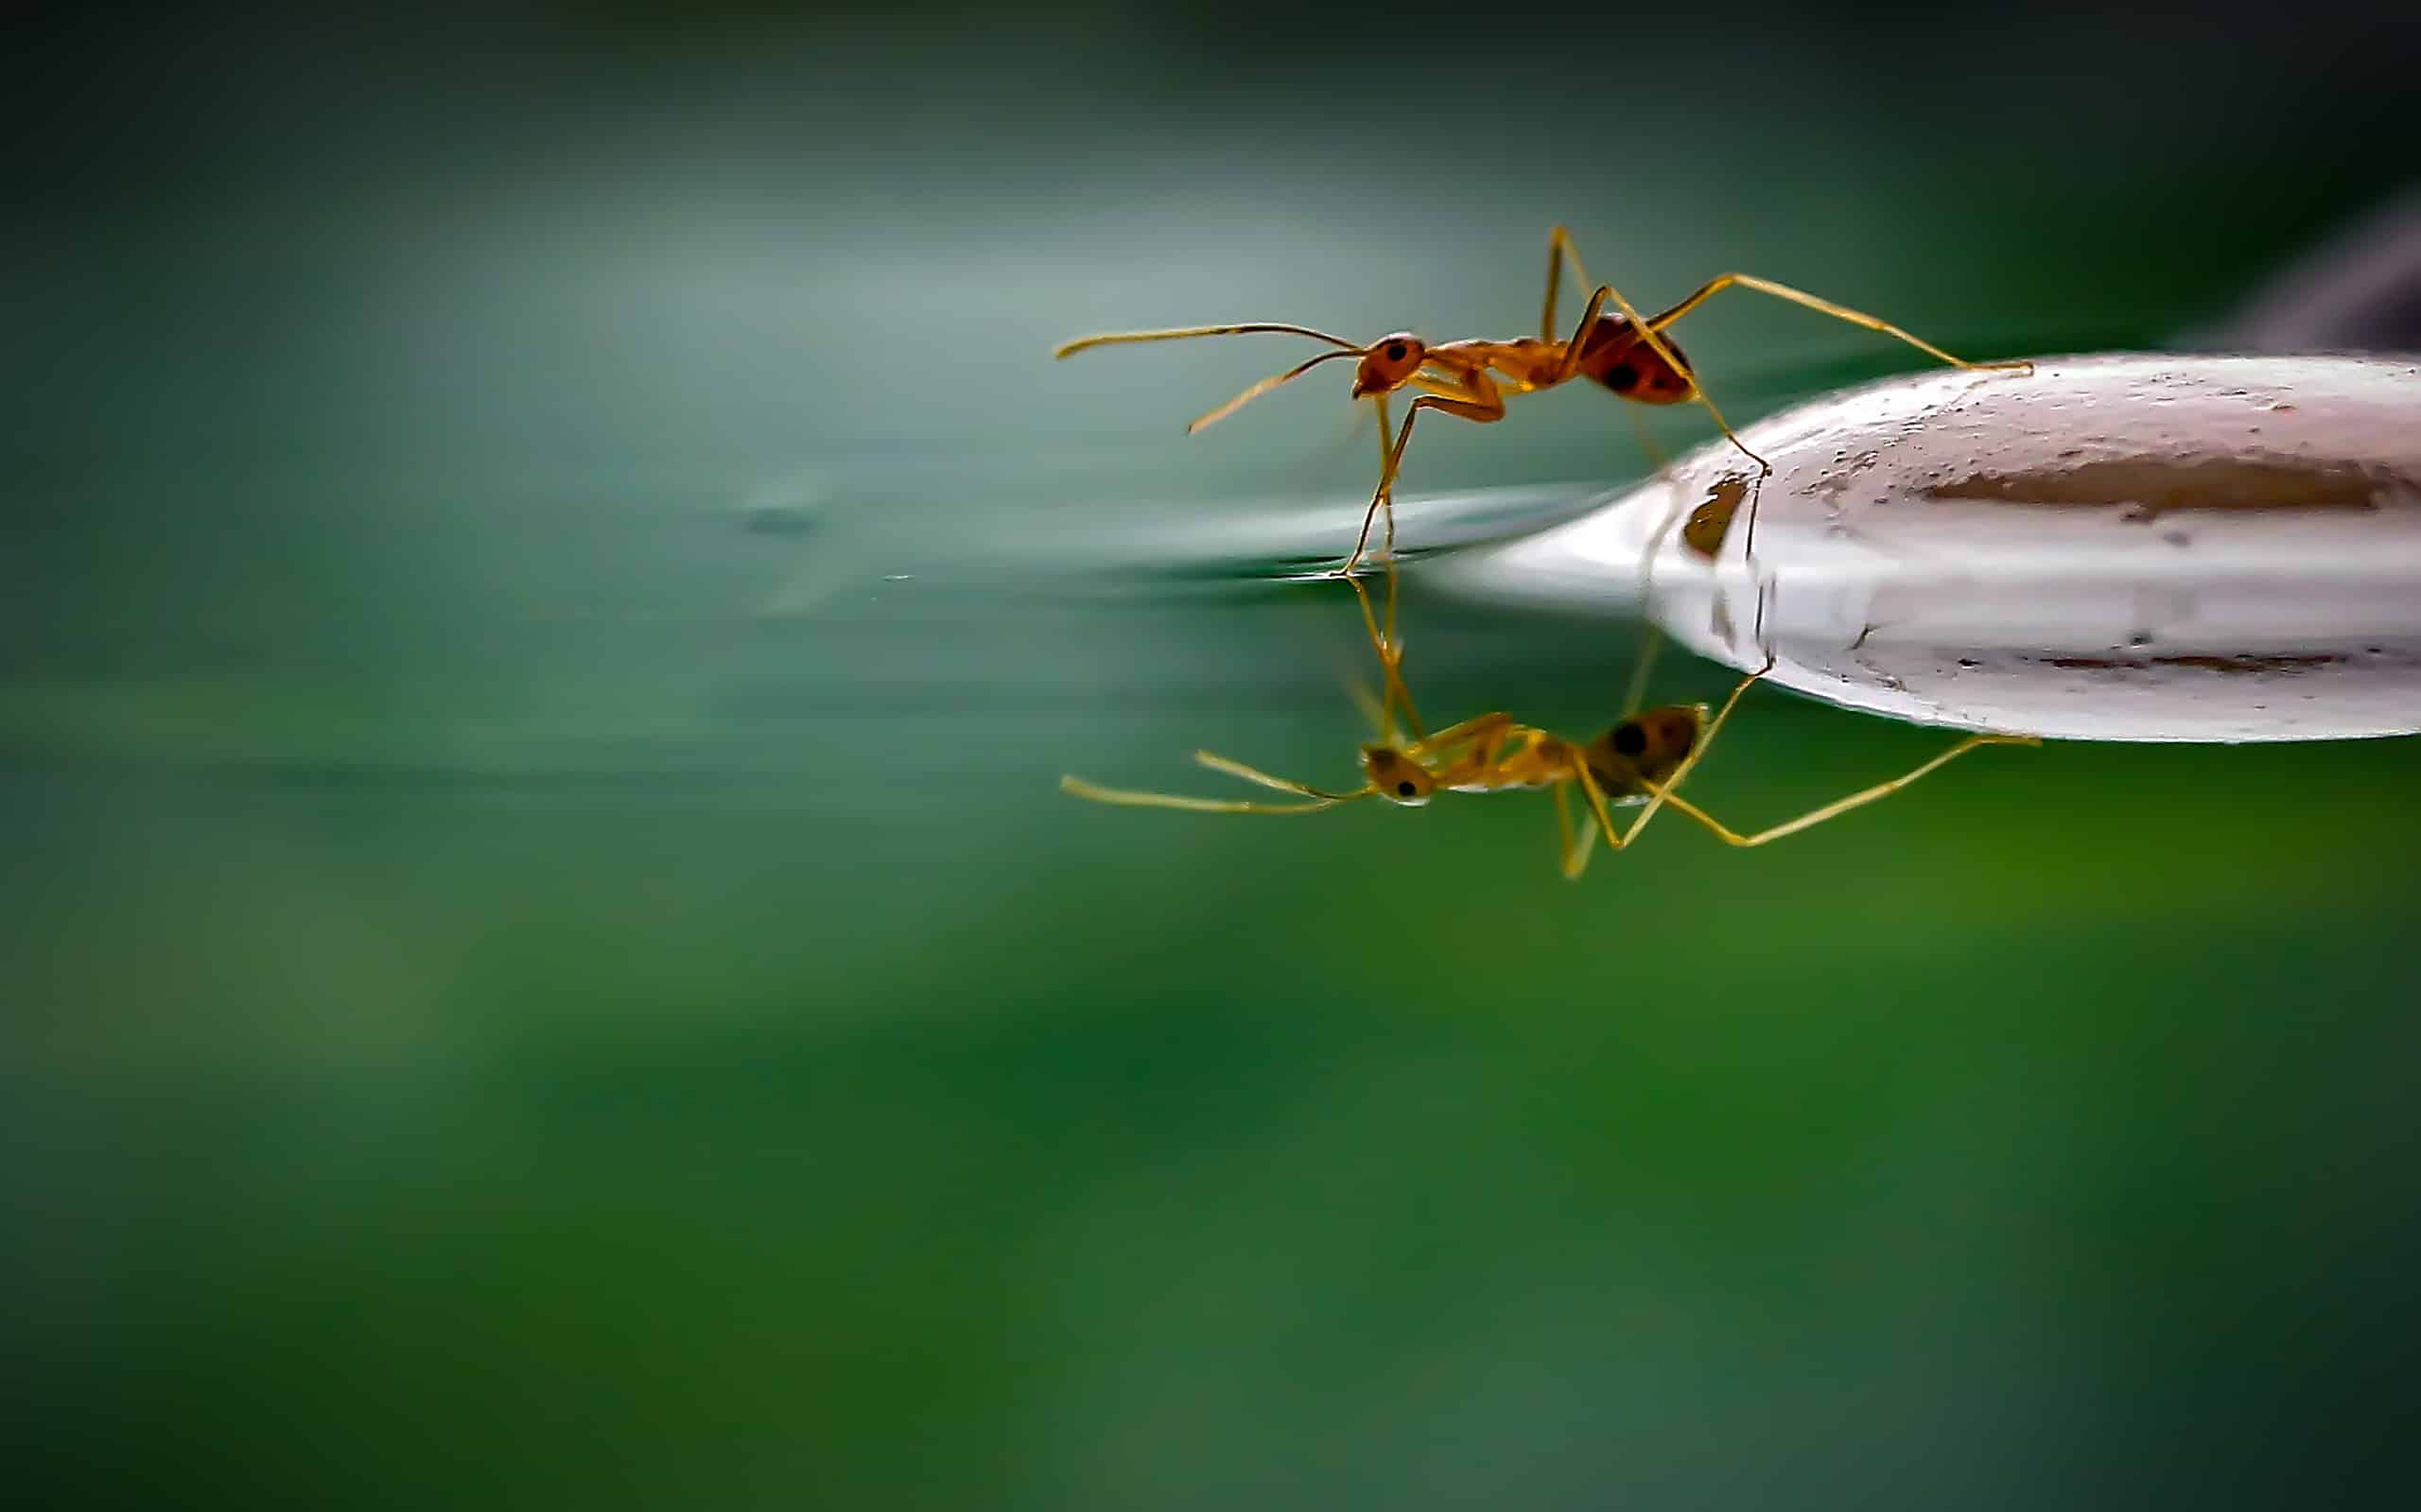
[(1396, 777), (1387, 363)]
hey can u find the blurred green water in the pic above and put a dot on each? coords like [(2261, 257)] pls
[(544, 959)]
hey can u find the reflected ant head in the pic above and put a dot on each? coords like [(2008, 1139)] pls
[(1397, 777), (1388, 363)]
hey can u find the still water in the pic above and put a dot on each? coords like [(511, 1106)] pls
[(544, 959)]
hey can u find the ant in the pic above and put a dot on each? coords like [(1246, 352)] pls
[(1629, 355), (1641, 761)]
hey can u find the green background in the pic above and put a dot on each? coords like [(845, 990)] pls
[(549, 580)]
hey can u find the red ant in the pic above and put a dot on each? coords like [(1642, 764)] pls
[(1629, 355), (1641, 760)]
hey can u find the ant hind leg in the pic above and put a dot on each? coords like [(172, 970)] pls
[(1841, 806), (1824, 306), (1712, 287), (1659, 793)]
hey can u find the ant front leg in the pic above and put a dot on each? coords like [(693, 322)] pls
[(1482, 734), (1390, 653), (1387, 451), (1480, 403)]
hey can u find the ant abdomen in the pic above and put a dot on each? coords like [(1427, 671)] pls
[(1617, 357), (1650, 744)]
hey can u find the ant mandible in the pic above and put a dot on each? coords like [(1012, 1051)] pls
[(1629, 355)]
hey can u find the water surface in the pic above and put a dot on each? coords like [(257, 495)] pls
[(543, 956)]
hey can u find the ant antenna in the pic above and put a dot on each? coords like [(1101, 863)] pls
[(1263, 387), (1084, 343)]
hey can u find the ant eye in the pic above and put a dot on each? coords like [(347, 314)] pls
[(1395, 350), (1629, 739), (1408, 790)]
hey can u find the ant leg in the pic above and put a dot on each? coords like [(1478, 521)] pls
[(1649, 331), (1574, 853), (1386, 464), (1657, 792), (1614, 839), (1652, 640), (1559, 249), (1486, 729), (1570, 364), (1394, 642), (1766, 591), (1390, 652), (1841, 806), (1368, 703), (1384, 642), (1824, 306), (1484, 404)]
